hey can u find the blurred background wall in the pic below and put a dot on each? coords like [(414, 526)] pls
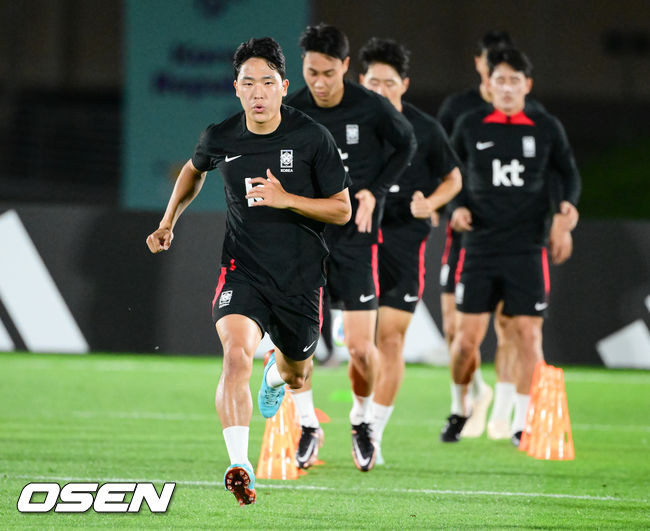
[(63, 77)]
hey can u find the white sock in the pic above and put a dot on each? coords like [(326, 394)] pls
[(477, 382), (273, 378), (521, 407), (236, 438), (360, 409), (305, 406), (504, 401), (457, 405), (380, 415)]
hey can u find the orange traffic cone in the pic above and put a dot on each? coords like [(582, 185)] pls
[(279, 444), (535, 386), (548, 426)]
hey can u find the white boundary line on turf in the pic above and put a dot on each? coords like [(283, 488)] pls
[(88, 364), (117, 365), (152, 415), (321, 488)]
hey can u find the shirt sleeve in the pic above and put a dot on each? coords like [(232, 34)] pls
[(562, 159), (395, 129), (446, 115), (328, 168), (458, 145), (202, 159), (441, 158)]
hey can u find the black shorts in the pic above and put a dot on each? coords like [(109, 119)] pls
[(352, 277), (401, 269), (521, 280), (292, 321), (450, 261)]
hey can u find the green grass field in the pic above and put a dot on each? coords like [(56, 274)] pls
[(136, 418)]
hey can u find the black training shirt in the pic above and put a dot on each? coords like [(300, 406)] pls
[(269, 244), (433, 160), (508, 168), (362, 124)]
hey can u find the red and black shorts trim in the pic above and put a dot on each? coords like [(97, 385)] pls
[(521, 280), (292, 321), (353, 277), (449, 261), (401, 269)]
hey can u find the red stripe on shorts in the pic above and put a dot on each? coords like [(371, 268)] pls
[(320, 310), (222, 281), (380, 236), (445, 254), (421, 268), (375, 268), (459, 267), (547, 276)]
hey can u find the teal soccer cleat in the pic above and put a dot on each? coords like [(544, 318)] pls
[(269, 398)]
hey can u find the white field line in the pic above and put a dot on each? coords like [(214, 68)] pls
[(87, 363), (612, 377), (136, 415), (285, 486)]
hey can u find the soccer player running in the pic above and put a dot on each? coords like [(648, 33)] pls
[(364, 125), (452, 108), (284, 180), (432, 180), (511, 156)]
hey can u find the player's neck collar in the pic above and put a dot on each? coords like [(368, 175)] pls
[(498, 117)]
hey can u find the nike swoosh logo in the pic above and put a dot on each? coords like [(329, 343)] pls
[(307, 348), (484, 145), (228, 159), (366, 298), (310, 448), (539, 306), (357, 451), (411, 298)]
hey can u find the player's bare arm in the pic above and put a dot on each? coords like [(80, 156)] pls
[(423, 207), (187, 187), (560, 241), (461, 219), (367, 203), (335, 209)]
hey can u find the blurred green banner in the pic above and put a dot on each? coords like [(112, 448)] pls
[(179, 79)]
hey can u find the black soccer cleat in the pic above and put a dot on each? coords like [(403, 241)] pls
[(364, 451), (516, 438), (311, 439), (451, 431)]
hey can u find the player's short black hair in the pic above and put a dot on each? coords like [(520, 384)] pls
[(325, 39), (265, 48), (516, 59), (385, 51), (493, 39)]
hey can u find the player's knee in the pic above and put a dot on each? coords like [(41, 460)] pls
[(295, 380), (466, 345), (361, 350), (236, 362), (528, 335), (390, 344)]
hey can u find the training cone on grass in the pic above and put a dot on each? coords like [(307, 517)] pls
[(281, 436), (547, 434)]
